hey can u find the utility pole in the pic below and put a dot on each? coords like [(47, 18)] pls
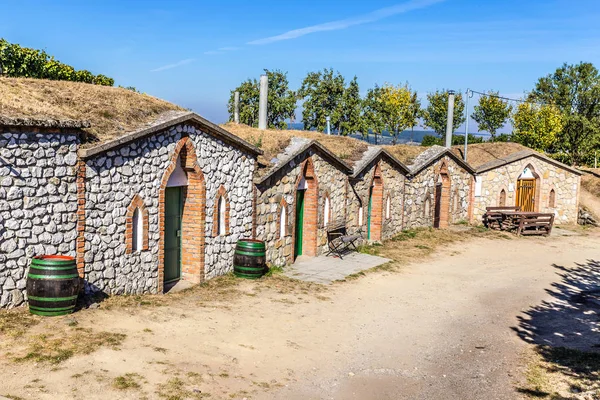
[(262, 102), (328, 119), (469, 94), (236, 107), (450, 123)]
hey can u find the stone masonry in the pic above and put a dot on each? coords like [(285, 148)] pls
[(38, 202)]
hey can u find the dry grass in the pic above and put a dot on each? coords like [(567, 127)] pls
[(127, 381), (59, 345), (273, 142), (405, 153), (111, 111), (15, 323), (481, 153), (591, 181), (176, 389), (558, 373), (417, 244)]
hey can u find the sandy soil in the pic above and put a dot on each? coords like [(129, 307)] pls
[(443, 329)]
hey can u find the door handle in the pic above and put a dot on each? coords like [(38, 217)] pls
[(178, 232)]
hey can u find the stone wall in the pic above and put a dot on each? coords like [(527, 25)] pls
[(420, 194), (550, 177), (280, 189), (115, 177), (38, 203), (393, 187)]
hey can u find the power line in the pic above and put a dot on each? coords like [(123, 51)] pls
[(506, 98)]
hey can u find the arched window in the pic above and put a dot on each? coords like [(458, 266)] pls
[(327, 212), (388, 206), (360, 215), (502, 200), (427, 207), (456, 202), (552, 199), (136, 226), (221, 213), (282, 221)]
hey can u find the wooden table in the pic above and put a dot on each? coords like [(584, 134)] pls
[(512, 220)]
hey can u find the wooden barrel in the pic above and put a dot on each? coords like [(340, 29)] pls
[(249, 259), (52, 285)]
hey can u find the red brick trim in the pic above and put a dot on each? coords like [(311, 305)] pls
[(471, 205), (194, 215), (445, 203), (311, 204), (221, 194), (377, 204), (80, 242), (136, 203)]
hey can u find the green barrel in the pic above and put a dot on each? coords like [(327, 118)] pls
[(249, 259), (52, 285)]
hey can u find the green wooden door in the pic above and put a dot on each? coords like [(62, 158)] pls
[(299, 223), (369, 213), (173, 202)]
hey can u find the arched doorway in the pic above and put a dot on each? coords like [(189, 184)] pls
[(442, 199), (182, 215), (305, 222), (527, 189), (375, 207)]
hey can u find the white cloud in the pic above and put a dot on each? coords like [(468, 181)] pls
[(229, 48), (211, 52), (346, 23), (174, 65)]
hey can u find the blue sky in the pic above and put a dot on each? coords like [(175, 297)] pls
[(194, 52)]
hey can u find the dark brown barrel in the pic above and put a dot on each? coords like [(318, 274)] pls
[(52, 285), (249, 259)]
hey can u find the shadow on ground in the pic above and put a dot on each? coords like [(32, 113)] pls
[(566, 329)]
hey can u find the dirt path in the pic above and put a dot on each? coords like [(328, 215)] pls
[(436, 330)]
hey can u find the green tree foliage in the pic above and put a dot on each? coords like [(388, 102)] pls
[(397, 108), (491, 113), (575, 90), (537, 126), (373, 112), (322, 93), (281, 101), (351, 110), (17, 61), (436, 114)]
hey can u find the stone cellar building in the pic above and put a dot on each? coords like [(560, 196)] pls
[(517, 176), (376, 198), (439, 190), (143, 193)]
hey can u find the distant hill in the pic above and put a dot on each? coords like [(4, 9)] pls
[(404, 137)]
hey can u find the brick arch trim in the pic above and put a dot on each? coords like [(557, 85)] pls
[(193, 216), (221, 194), (137, 203), (311, 204), (377, 205)]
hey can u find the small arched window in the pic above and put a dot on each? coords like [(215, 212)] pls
[(388, 206), (427, 207), (502, 200), (282, 221), (136, 235), (221, 213), (327, 212), (360, 215), (552, 199)]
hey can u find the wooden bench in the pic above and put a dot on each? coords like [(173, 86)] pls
[(339, 241), (535, 224), (493, 217)]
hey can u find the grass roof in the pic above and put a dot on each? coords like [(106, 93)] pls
[(111, 111), (273, 142), (405, 153), (482, 153)]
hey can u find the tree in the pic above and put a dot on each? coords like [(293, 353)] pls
[(537, 126), (281, 101), (351, 109), (575, 90), (373, 112), (322, 93), (436, 114), (491, 113), (416, 113), (397, 111)]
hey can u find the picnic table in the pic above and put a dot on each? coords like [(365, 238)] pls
[(523, 222)]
